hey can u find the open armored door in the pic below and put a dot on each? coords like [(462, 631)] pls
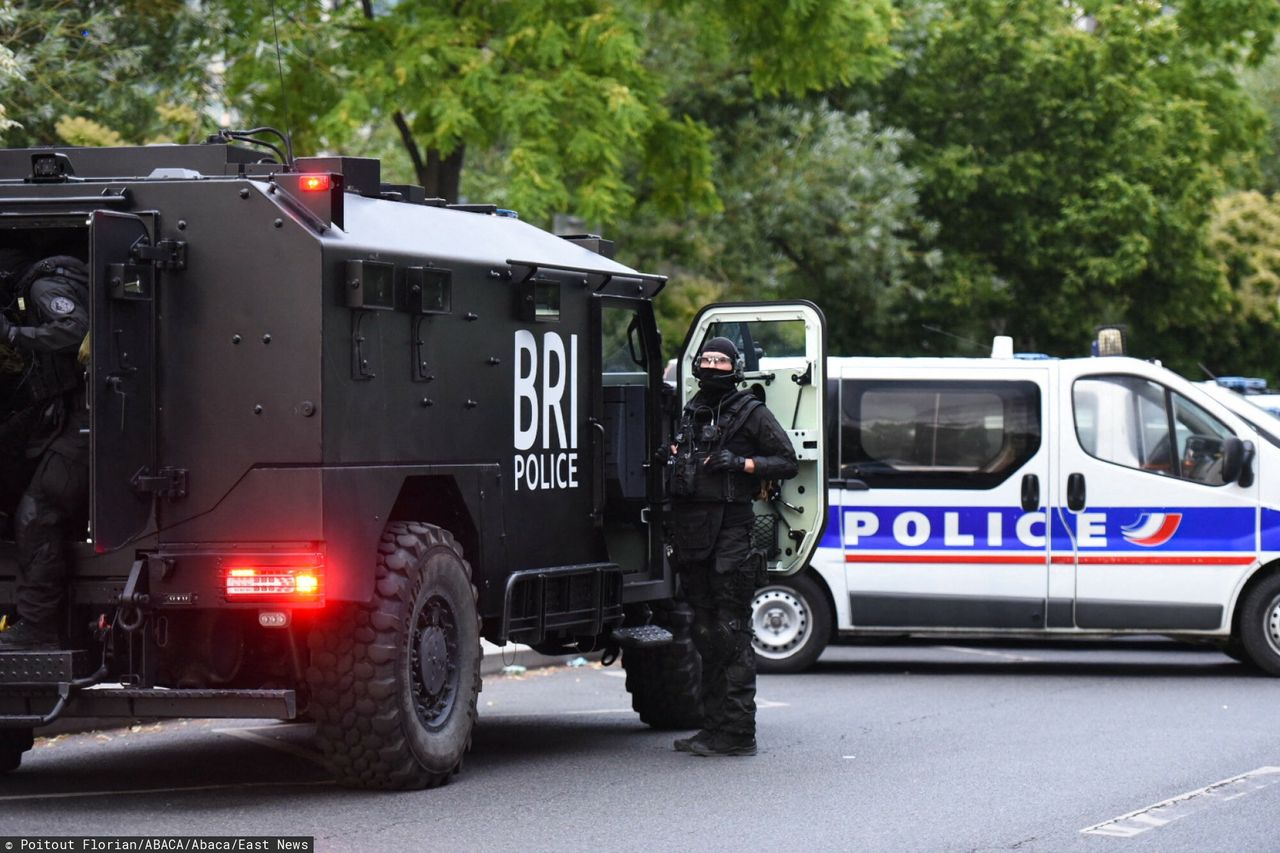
[(784, 346), (122, 379)]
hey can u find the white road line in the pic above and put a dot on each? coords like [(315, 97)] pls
[(129, 792), (250, 735), (1176, 808), (990, 654)]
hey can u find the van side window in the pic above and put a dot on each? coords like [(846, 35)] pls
[(903, 434), (1199, 439), (1127, 420)]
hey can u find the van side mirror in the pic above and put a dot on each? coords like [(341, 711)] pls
[(1232, 459), (1246, 468)]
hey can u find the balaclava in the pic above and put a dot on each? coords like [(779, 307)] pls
[(716, 383)]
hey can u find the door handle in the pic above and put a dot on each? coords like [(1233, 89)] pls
[(597, 462), (1075, 492), (1030, 493)]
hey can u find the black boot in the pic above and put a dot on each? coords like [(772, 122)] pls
[(685, 744), (28, 637), (722, 743)]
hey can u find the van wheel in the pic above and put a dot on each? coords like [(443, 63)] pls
[(394, 681), (791, 624), (1260, 625), (13, 743), (665, 683)]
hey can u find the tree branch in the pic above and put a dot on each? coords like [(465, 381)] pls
[(411, 145)]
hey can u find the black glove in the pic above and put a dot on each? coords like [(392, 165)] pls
[(725, 460)]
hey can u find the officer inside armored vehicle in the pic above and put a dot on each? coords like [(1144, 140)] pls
[(44, 437)]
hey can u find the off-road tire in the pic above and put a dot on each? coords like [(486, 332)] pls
[(394, 681), (801, 607), (665, 682), (13, 743), (1260, 624)]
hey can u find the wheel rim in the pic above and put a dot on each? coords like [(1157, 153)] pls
[(780, 622), (1273, 624), (435, 661)]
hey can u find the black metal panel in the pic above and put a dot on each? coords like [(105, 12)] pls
[(122, 308), (892, 610), (42, 667), (239, 380), (134, 702), (1147, 615)]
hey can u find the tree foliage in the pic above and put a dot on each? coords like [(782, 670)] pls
[(1245, 238), (110, 68), (1071, 160), (565, 91)]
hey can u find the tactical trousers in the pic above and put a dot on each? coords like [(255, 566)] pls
[(51, 513), (719, 589)]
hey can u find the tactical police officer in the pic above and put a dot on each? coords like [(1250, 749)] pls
[(49, 324), (727, 444)]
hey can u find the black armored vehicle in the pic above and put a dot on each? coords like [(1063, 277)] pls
[(340, 432)]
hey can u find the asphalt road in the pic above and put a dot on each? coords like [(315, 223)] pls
[(953, 746)]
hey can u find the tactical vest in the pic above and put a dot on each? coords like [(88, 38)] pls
[(53, 373), (701, 432)]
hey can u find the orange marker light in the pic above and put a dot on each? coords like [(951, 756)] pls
[(316, 183)]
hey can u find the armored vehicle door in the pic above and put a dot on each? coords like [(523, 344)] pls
[(626, 427), (122, 379), (784, 346)]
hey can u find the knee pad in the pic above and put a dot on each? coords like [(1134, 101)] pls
[(715, 640)]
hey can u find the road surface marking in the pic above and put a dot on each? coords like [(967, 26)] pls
[(250, 734), (129, 792), (988, 653), (1176, 808)]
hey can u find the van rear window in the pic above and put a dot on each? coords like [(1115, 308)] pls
[(937, 435)]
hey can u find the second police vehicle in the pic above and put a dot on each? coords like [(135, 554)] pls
[(1040, 497)]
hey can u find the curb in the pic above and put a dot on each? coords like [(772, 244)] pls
[(495, 659)]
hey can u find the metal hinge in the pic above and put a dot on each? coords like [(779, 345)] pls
[(166, 255), (165, 483)]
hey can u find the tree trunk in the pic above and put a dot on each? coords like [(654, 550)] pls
[(443, 174), (439, 176)]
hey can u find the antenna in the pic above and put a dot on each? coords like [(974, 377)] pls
[(1207, 371), (284, 99), (968, 341)]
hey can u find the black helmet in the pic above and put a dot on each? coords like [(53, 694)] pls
[(725, 347)]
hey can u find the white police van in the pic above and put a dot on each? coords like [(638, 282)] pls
[(1035, 497)]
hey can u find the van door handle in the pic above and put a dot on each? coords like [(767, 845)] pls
[(1030, 493), (1075, 492)]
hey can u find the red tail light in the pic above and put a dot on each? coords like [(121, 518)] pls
[(316, 183), (275, 583)]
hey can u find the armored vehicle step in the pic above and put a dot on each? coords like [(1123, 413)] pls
[(43, 667), (642, 636), (150, 702)]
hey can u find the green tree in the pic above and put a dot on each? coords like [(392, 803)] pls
[(1245, 238), (1263, 85), (1071, 161), (562, 101), (130, 71)]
